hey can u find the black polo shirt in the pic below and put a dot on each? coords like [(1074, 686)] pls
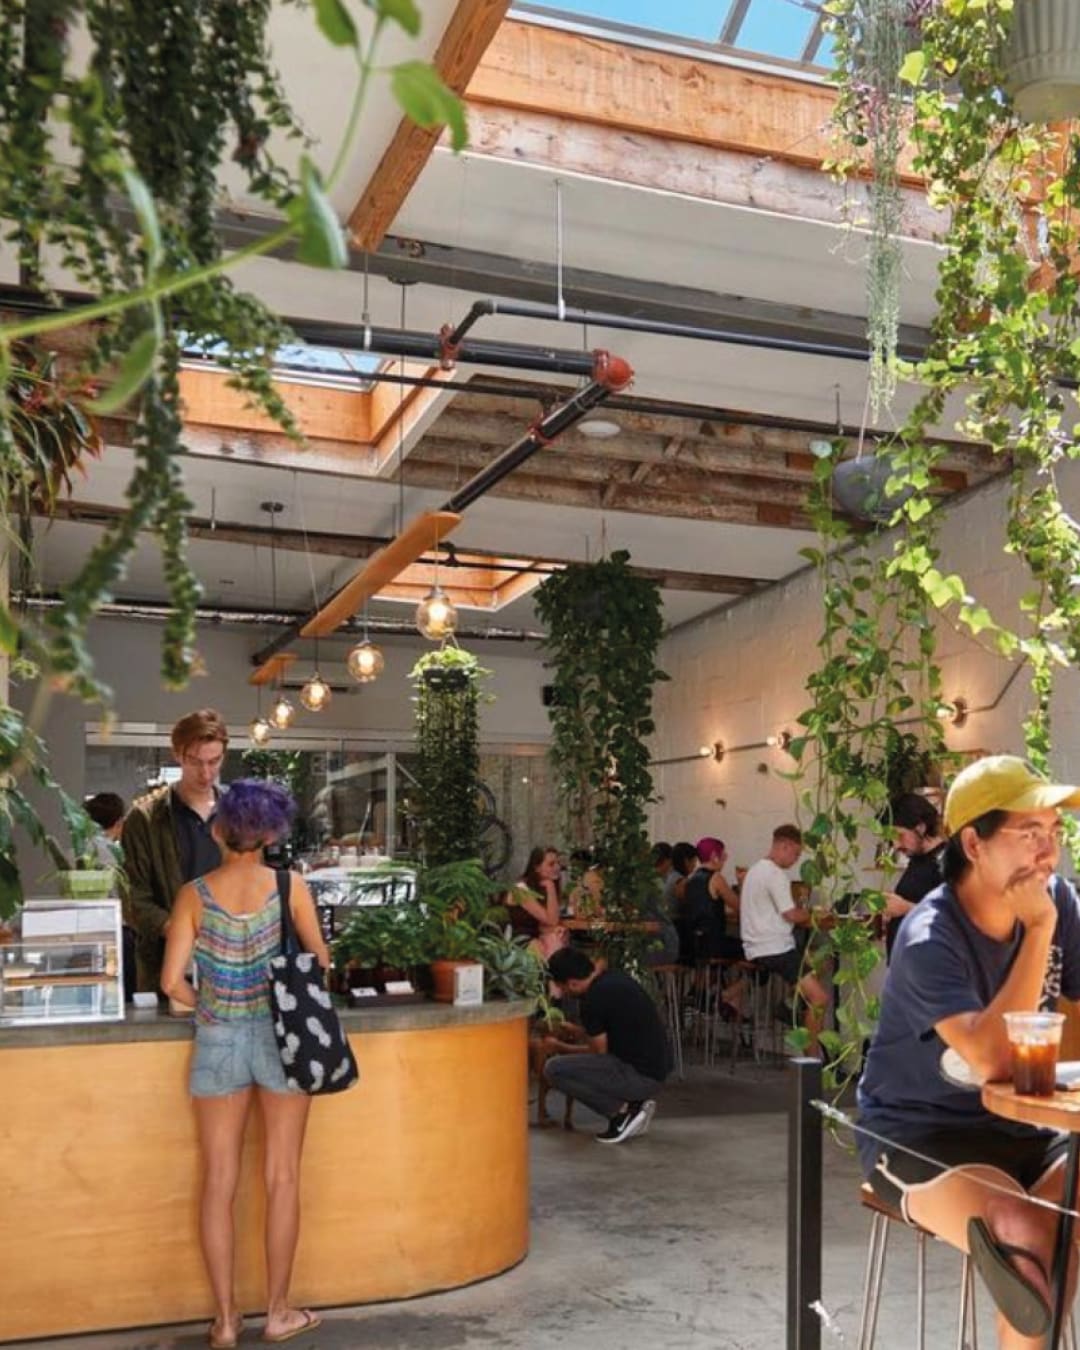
[(199, 853)]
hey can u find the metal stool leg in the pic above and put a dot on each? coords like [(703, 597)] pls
[(875, 1265), (920, 1289), (967, 1308)]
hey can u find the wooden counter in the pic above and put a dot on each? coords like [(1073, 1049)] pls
[(415, 1181)]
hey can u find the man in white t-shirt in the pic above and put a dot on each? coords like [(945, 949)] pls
[(767, 915)]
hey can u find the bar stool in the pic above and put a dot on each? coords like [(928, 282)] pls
[(670, 980), (885, 1214)]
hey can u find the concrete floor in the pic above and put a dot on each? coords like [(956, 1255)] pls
[(675, 1241)]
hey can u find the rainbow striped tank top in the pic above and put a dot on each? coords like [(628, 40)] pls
[(232, 954)]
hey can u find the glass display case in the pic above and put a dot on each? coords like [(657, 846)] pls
[(65, 964)]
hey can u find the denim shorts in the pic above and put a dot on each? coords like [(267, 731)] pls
[(231, 1056)]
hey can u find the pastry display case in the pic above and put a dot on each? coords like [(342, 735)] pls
[(64, 964)]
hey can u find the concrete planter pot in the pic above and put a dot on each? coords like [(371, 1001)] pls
[(859, 487), (1042, 60)]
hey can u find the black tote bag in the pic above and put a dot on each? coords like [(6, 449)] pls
[(315, 1053)]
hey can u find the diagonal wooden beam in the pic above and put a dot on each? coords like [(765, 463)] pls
[(472, 26)]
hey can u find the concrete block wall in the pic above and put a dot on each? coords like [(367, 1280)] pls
[(739, 675)]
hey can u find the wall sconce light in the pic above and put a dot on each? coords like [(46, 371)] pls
[(780, 741), (705, 751), (955, 713), (282, 713), (718, 751)]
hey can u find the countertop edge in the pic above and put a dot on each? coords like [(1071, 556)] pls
[(140, 1026)]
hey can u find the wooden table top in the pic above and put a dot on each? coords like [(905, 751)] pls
[(1059, 1112)]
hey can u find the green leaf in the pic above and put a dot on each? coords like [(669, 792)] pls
[(336, 23), (913, 69), (9, 631), (423, 97), (402, 12), (136, 367), (142, 203), (321, 239)]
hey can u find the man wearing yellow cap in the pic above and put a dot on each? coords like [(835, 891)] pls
[(1001, 934)]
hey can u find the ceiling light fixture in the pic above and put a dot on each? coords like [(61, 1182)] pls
[(282, 713), (259, 731), (436, 614), (599, 428), (365, 661), (316, 694)]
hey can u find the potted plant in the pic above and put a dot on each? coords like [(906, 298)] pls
[(459, 902), (380, 943), (511, 968)]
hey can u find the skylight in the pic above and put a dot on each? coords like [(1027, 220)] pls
[(787, 31), (308, 364)]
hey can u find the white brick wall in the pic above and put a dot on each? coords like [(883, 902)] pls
[(739, 674)]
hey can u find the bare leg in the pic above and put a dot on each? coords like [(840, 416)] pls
[(944, 1207), (817, 1001), (284, 1121), (221, 1123)]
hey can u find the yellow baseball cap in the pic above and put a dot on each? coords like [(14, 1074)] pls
[(1002, 783)]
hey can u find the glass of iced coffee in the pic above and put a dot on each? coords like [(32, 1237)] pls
[(1035, 1038)]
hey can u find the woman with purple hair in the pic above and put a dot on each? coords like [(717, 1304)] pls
[(230, 920)]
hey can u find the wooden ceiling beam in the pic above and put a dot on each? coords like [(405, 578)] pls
[(663, 163), (608, 82), (472, 26)]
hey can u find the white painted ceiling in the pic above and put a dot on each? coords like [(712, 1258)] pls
[(478, 203)]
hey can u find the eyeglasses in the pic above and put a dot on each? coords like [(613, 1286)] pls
[(1036, 835)]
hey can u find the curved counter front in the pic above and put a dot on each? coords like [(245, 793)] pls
[(412, 1182)]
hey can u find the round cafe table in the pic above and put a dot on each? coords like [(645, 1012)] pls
[(1059, 1112)]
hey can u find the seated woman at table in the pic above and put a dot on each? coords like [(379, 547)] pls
[(1001, 934), (534, 904)]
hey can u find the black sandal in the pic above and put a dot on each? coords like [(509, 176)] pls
[(1019, 1301)]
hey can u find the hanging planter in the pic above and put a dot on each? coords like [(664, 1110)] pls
[(1042, 60), (860, 487)]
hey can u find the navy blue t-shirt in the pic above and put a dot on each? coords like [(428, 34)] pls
[(942, 965)]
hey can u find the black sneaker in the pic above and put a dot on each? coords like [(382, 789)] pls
[(616, 1126)]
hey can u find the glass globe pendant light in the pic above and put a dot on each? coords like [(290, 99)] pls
[(316, 694), (436, 615), (259, 731), (365, 660), (282, 713)]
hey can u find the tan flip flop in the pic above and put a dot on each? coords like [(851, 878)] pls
[(310, 1322)]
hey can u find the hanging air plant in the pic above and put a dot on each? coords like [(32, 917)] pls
[(871, 38)]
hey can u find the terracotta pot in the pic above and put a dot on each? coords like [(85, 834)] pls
[(442, 979)]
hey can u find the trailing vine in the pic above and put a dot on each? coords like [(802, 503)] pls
[(114, 148), (870, 733), (448, 744), (603, 629)]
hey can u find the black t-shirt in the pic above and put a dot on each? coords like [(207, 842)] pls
[(617, 1005), (921, 876), (198, 850)]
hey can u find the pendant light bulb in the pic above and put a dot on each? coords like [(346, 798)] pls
[(259, 731), (436, 616), (282, 713), (315, 695), (365, 662)]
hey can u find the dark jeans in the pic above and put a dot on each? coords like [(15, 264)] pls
[(602, 1082)]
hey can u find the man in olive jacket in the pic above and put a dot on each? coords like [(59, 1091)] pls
[(167, 840)]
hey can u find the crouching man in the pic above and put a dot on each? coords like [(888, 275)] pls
[(619, 1070)]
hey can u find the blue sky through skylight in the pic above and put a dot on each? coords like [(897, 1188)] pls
[(779, 28)]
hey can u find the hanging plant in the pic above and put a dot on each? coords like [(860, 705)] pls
[(870, 40), (447, 683), (118, 122), (603, 629)]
